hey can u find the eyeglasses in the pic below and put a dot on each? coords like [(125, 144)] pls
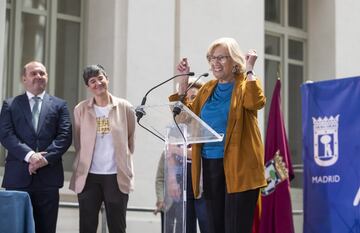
[(213, 59)]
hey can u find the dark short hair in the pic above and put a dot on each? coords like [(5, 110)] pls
[(93, 71)]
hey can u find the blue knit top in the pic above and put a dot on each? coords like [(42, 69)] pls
[(215, 113)]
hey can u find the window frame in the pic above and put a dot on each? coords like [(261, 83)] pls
[(13, 65), (286, 33)]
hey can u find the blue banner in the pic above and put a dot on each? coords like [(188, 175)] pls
[(331, 155)]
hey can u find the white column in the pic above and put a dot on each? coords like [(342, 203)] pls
[(120, 78), (150, 60), (347, 38), (106, 40), (321, 28)]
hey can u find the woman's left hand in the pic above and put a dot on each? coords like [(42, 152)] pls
[(250, 59)]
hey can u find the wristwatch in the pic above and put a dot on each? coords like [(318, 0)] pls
[(250, 72)]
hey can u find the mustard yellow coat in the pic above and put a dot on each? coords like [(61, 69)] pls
[(244, 150)]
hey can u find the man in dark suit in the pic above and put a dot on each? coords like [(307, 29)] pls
[(35, 128)]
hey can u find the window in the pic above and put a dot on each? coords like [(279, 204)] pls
[(68, 38), (47, 31), (67, 61), (295, 13), (272, 11), (285, 46)]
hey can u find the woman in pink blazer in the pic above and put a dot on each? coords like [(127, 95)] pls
[(104, 142)]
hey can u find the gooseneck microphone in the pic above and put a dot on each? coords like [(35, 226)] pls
[(177, 109), (139, 111), (192, 84)]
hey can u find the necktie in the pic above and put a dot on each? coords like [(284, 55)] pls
[(36, 112)]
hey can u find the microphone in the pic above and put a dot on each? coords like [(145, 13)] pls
[(177, 109), (139, 111)]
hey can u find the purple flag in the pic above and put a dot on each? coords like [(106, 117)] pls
[(276, 211)]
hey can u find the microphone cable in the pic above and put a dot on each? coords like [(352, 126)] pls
[(142, 126)]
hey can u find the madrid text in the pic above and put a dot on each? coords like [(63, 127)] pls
[(325, 179)]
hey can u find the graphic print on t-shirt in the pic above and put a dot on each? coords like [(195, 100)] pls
[(102, 125)]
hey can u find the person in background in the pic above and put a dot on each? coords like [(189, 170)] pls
[(104, 130), (171, 202), (195, 208), (36, 131), (233, 169)]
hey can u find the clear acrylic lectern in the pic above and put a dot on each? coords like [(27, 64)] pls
[(159, 119)]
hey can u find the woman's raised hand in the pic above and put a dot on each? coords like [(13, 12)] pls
[(183, 68), (250, 59)]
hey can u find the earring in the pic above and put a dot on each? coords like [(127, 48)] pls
[(235, 69)]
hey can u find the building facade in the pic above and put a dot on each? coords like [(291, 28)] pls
[(140, 42)]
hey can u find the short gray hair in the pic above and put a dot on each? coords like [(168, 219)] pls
[(233, 48)]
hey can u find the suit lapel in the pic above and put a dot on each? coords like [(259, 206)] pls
[(25, 107), (45, 106)]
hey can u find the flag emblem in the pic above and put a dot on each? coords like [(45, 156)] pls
[(326, 145), (275, 173)]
